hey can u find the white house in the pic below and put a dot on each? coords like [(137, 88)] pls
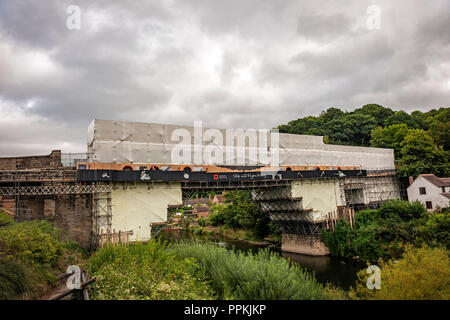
[(431, 191)]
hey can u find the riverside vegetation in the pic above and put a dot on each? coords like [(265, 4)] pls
[(32, 254), (194, 270), (384, 233)]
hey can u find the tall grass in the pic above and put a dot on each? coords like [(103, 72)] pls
[(14, 279), (247, 276), (144, 271), (31, 255)]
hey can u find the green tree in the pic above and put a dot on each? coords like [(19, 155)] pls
[(420, 155), (241, 212), (380, 113), (440, 131), (400, 117), (389, 137)]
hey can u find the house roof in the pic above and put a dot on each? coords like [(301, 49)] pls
[(196, 201), (202, 209), (438, 182), (220, 197)]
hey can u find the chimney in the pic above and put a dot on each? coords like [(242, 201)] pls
[(411, 180)]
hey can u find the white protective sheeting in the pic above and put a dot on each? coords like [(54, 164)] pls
[(137, 142), (135, 208)]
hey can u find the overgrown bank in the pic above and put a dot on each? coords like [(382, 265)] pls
[(194, 270), (384, 233), (31, 255)]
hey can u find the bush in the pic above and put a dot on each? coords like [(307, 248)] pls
[(201, 222), (436, 230), (5, 219), (364, 218), (339, 240), (34, 243), (422, 274), (144, 271), (383, 233), (13, 279), (400, 209), (247, 276)]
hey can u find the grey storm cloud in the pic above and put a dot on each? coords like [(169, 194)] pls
[(237, 63)]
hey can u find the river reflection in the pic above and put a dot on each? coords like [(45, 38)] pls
[(337, 271)]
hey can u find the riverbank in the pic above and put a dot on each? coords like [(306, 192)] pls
[(341, 272), (235, 234), (196, 270)]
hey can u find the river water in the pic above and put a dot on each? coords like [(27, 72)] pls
[(339, 272)]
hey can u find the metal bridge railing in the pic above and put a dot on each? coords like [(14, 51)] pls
[(71, 159)]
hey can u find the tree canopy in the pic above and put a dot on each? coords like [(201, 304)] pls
[(421, 140)]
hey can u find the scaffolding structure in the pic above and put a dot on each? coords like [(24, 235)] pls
[(274, 198), (102, 215), (369, 192)]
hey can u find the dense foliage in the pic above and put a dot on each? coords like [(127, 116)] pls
[(144, 272), (5, 219), (13, 279), (240, 212), (384, 233), (247, 276), (31, 255), (421, 274), (33, 242), (421, 140)]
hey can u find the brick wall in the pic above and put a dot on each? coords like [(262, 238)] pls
[(71, 213), (53, 160), (8, 203)]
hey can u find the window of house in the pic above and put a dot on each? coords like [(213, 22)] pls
[(443, 189), (422, 190), (429, 204)]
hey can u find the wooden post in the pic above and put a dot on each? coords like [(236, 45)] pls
[(350, 218), (84, 278), (101, 238), (335, 218)]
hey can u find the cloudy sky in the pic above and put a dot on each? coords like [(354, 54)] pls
[(234, 63)]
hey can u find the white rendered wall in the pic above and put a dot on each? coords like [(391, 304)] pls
[(136, 207), (433, 194)]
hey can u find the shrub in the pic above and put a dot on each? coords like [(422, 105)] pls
[(422, 274), (144, 271), (247, 276), (383, 233), (5, 219), (34, 243), (339, 241), (436, 230), (13, 279), (367, 217), (201, 222), (400, 209)]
